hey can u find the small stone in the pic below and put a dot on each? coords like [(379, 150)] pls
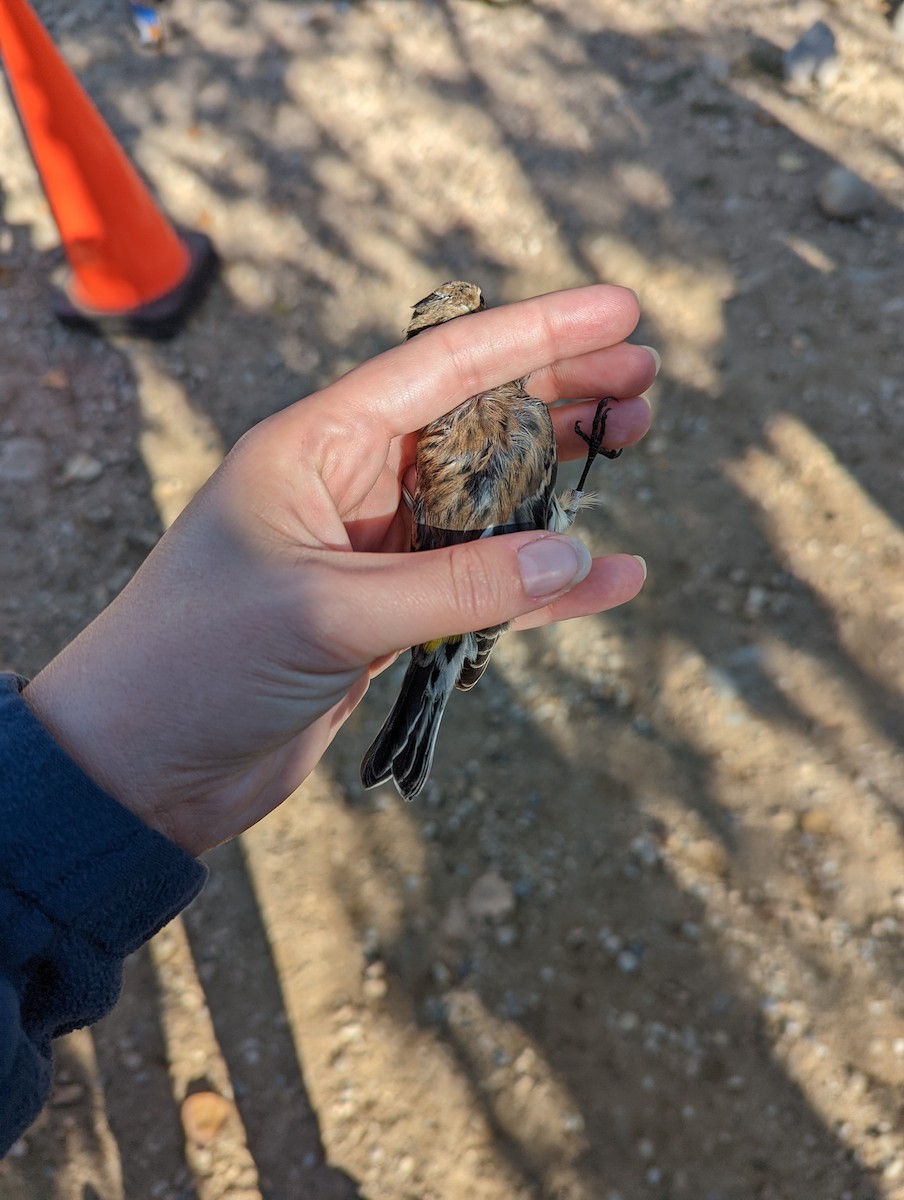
[(81, 468), (490, 898), (57, 379), (817, 822), (894, 1170), (755, 601), (844, 195), (791, 163), (374, 988), (406, 1166), (18, 1149), (645, 850), (103, 517), (709, 855), (525, 1062), (627, 962), (610, 942), (203, 1116), (22, 460), (813, 58)]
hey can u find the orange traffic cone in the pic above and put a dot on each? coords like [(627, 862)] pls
[(131, 271)]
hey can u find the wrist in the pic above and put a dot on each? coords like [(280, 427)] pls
[(74, 715)]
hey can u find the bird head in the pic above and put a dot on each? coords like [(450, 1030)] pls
[(453, 299)]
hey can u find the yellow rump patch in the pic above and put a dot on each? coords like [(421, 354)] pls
[(435, 645)]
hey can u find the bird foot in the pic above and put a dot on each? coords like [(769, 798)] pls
[(594, 439)]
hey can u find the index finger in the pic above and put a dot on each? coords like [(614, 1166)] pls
[(416, 382)]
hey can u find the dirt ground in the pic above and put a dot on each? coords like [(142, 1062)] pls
[(643, 936)]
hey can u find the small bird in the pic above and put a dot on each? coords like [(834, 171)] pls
[(486, 468)]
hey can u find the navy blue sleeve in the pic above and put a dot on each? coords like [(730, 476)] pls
[(83, 883)]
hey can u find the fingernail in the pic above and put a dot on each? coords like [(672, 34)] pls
[(654, 354), (550, 564), (643, 563)]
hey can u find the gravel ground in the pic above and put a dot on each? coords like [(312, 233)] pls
[(642, 936)]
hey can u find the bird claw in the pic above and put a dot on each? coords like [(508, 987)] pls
[(594, 439)]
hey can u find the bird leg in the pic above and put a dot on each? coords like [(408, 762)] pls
[(594, 439)]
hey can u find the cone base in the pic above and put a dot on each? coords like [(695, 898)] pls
[(158, 319)]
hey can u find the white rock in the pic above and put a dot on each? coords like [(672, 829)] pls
[(81, 468), (490, 898)]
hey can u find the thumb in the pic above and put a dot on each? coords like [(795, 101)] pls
[(398, 600)]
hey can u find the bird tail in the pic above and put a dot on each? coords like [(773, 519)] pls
[(564, 508), (403, 749)]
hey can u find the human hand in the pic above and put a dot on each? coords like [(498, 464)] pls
[(210, 688)]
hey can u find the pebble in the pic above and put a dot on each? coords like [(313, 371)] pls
[(374, 988), (56, 379), (817, 822), (22, 460), (645, 850), (710, 856), (490, 897), (203, 1116), (813, 58), (610, 942), (103, 517), (791, 163), (627, 962), (81, 468), (844, 195)]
